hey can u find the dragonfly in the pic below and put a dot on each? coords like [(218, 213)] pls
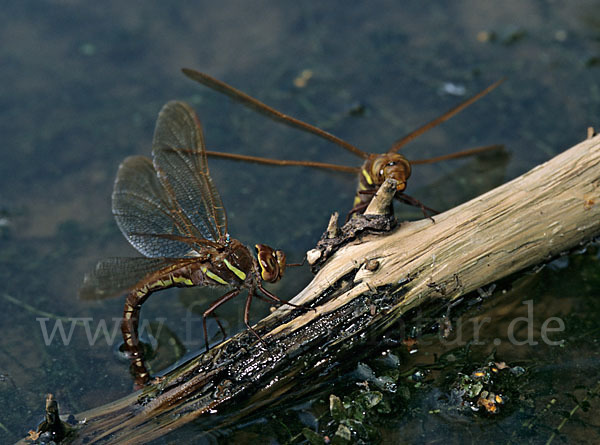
[(169, 209), (376, 168)]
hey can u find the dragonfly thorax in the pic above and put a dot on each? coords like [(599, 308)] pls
[(234, 263)]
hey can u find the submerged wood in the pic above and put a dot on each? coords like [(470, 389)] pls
[(362, 290)]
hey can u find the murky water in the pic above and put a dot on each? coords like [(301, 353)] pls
[(83, 83)]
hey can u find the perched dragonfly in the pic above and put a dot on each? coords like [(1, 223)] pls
[(169, 210), (375, 169)]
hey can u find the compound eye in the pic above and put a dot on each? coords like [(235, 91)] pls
[(281, 263), (267, 260)]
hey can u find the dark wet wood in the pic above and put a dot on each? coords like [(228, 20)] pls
[(52, 429), (548, 210)]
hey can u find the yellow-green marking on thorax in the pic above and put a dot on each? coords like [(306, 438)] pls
[(367, 176), (239, 273)]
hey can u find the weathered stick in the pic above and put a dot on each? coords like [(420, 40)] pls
[(532, 218), (362, 290)]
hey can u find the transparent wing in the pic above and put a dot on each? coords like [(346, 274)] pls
[(148, 216), (115, 276), (180, 162)]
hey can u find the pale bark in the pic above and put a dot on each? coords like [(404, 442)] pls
[(548, 210)]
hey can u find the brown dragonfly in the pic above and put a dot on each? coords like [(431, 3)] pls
[(169, 210), (375, 169)]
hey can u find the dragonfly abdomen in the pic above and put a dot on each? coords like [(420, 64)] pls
[(206, 273), (231, 266)]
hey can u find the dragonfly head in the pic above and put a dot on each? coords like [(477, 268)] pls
[(271, 263), (391, 165)]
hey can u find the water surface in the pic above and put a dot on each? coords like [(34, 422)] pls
[(83, 83)]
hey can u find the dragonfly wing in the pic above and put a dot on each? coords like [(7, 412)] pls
[(115, 276), (180, 161), (145, 213)]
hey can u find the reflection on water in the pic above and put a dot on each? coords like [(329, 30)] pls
[(83, 83)]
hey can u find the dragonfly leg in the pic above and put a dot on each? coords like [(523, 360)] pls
[(228, 296), (358, 208), (214, 315), (416, 203), (406, 199), (276, 299), (263, 298), (247, 316)]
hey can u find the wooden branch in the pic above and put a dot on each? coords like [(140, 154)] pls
[(362, 290)]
